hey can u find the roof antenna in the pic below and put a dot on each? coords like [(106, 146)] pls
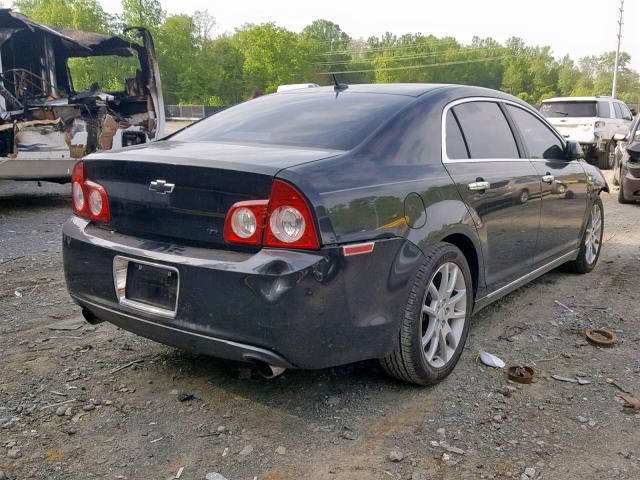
[(337, 86)]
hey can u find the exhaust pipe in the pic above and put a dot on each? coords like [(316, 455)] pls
[(268, 371), (90, 317)]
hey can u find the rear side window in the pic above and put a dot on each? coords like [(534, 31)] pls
[(486, 130), (569, 109), (604, 111), (626, 114), (616, 108), (314, 120), (540, 141), (456, 148)]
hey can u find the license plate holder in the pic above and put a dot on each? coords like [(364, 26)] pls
[(146, 286)]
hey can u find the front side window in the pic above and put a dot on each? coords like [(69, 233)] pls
[(312, 120), (626, 114), (540, 141), (569, 109), (486, 130)]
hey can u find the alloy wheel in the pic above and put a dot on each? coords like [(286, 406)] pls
[(444, 312), (593, 235)]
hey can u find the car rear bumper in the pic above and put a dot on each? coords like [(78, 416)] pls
[(287, 308)]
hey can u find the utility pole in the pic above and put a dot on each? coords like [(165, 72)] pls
[(615, 68)]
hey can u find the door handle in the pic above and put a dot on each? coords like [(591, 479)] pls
[(548, 178), (479, 186)]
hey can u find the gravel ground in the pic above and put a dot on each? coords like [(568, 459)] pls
[(81, 401)]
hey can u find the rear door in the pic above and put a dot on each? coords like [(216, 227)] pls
[(501, 189), (564, 186)]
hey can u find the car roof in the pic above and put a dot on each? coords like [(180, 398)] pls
[(579, 99), (407, 89)]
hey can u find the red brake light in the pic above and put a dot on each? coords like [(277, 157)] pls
[(290, 219), (90, 199), (285, 220)]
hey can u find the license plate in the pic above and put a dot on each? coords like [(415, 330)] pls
[(146, 286)]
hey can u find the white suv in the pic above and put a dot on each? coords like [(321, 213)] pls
[(591, 121)]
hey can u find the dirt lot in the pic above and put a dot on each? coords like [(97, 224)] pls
[(97, 402)]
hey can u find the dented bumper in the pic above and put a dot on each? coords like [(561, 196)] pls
[(287, 308)]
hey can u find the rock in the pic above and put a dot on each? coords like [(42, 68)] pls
[(14, 453), (246, 450), (221, 429), (281, 450), (349, 435), (395, 455), (88, 407), (60, 411), (591, 423), (185, 397), (68, 412), (582, 419), (214, 476), (333, 401), (418, 476), (457, 450), (530, 472)]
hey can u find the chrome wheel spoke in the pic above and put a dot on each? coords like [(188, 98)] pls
[(444, 310)]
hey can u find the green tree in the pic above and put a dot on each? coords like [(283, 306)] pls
[(143, 13)]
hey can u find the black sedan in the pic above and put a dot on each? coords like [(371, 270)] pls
[(626, 168), (324, 226)]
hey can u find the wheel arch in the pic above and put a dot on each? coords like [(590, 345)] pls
[(469, 250)]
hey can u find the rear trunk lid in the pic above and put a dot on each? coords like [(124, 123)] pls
[(181, 191)]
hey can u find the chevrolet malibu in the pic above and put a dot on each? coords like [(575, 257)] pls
[(323, 226)]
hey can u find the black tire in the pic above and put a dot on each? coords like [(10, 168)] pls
[(407, 362), (621, 198), (606, 159), (582, 264)]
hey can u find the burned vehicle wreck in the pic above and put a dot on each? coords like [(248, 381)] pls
[(47, 123)]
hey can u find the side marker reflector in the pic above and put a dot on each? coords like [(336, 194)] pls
[(357, 249)]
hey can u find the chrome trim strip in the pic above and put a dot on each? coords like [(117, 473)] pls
[(449, 106), (531, 275), (120, 264)]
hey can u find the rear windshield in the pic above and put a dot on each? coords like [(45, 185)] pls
[(314, 120), (569, 109)]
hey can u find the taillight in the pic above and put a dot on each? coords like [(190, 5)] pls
[(285, 220), (90, 199)]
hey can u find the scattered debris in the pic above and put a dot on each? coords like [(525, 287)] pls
[(246, 450), (156, 440), (491, 360), (185, 397), (349, 435), (179, 472), (631, 401), (520, 374), (562, 378), (512, 331), (125, 366), (457, 450), (281, 450), (214, 476), (600, 337), (563, 306), (613, 382), (65, 326), (14, 453), (530, 472)]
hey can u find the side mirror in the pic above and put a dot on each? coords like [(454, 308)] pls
[(634, 151), (573, 151), (619, 136)]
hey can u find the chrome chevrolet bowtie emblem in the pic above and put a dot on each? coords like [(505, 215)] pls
[(161, 187)]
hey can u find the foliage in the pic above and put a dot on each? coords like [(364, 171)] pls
[(200, 68)]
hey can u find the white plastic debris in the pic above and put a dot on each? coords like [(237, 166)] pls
[(491, 360)]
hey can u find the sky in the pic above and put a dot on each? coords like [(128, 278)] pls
[(576, 27)]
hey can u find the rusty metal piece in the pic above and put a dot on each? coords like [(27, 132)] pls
[(600, 337), (520, 374)]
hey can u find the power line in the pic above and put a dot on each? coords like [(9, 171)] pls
[(427, 65), (409, 57), (366, 49)]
